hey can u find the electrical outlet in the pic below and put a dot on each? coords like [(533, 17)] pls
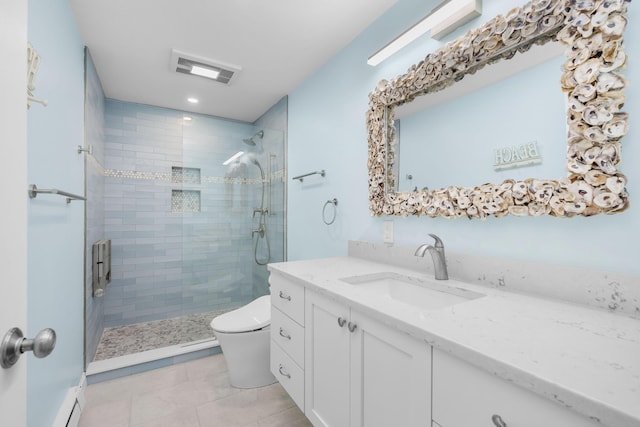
[(387, 234)]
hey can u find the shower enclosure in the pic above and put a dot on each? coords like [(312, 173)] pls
[(191, 230)]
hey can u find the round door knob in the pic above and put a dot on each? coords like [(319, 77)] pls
[(42, 345), (14, 344)]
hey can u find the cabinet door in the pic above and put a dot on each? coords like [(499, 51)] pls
[(390, 376), (326, 362)]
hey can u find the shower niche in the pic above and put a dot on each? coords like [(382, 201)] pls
[(183, 200)]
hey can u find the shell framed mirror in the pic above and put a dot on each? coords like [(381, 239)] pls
[(592, 120)]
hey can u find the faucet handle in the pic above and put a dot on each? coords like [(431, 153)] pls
[(439, 243)]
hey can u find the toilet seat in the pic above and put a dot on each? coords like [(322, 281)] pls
[(251, 317)]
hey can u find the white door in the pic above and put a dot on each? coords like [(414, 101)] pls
[(13, 201)]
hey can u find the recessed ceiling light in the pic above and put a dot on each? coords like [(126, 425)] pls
[(193, 100), (187, 118)]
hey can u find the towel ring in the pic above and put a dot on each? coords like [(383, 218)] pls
[(333, 202)]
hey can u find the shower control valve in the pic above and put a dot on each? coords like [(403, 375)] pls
[(260, 231), (260, 211)]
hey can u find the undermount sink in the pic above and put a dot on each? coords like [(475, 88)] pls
[(417, 292)]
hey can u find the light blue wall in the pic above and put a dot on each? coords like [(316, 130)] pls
[(56, 229), (327, 131)]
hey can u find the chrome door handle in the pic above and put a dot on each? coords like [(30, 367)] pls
[(284, 334), (14, 344), (352, 326), (341, 321), (283, 372), (497, 421), (284, 296)]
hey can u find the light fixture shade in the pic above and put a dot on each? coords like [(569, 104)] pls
[(468, 10), (441, 21)]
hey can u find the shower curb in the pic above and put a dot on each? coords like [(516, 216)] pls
[(131, 364)]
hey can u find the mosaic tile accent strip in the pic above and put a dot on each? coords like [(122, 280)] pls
[(185, 175), (185, 201), (154, 176), (131, 339), (169, 177)]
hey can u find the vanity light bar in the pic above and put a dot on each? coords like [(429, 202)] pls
[(441, 21)]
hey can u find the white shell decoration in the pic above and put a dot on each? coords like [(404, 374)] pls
[(592, 33)]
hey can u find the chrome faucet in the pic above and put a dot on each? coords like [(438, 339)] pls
[(437, 255)]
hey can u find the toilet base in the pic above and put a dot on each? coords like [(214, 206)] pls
[(248, 357)]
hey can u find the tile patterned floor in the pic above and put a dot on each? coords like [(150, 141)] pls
[(192, 394), (130, 339)]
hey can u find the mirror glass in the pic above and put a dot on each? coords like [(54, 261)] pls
[(441, 141)]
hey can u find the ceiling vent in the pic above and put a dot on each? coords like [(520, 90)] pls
[(186, 63)]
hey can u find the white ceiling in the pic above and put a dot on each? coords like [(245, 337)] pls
[(277, 43)]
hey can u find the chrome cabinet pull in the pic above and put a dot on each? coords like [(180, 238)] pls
[(352, 326), (341, 321), (14, 344), (497, 421), (284, 334), (285, 296), (283, 372)]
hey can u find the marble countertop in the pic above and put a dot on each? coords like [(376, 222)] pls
[(583, 358)]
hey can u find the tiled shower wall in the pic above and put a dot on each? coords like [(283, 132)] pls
[(94, 206), (180, 244), (274, 124)]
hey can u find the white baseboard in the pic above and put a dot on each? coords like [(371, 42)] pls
[(72, 405)]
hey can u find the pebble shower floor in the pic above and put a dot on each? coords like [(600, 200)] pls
[(131, 339)]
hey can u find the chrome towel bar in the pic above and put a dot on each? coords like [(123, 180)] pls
[(321, 173), (33, 192)]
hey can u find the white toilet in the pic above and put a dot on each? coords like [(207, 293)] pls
[(244, 336)]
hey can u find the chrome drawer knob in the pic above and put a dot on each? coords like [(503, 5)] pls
[(284, 334), (283, 372), (352, 327), (497, 421), (285, 296)]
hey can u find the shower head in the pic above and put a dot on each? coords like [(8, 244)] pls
[(250, 141)]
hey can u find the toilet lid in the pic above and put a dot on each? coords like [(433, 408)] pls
[(253, 316)]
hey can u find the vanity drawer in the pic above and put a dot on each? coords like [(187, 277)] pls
[(288, 373), (288, 334), (288, 297), (464, 395)]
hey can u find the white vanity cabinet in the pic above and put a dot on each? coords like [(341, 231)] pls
[(287, 336), (464, 395), (360, 372)]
